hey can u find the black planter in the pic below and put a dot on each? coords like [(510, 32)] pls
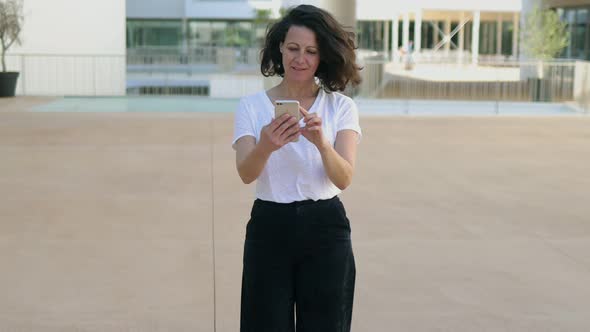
[(8, 83)]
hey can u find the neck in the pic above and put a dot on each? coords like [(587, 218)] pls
[(298, 90)]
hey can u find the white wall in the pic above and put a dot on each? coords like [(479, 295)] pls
[(232, 86), (70, 42), (74, 27)]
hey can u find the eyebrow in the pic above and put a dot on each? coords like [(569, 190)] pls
[(294, 43)]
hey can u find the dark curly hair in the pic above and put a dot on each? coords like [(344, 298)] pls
[(337, 66)]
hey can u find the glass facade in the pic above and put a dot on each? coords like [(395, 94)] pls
[(507, 36), (371, 35), (578, 27), (218, 33), (154, 33)]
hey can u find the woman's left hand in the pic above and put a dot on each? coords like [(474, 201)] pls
[(313, 128)]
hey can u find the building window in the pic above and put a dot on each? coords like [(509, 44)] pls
[(370, 35), (224, 33), (142, 33), (578, 27), (507, 38)]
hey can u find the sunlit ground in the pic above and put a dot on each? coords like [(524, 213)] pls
[(134, 221)]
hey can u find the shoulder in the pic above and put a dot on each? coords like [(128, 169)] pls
[(254, 101), (339, 101), (253, 98)]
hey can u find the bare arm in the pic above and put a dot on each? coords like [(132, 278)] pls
[(250, 159), (339, 161)]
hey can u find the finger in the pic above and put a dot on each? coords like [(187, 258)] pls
[(315, 128), (285, 125), (310, 116), (303, 111), (283, 122), (276, 123), (314, 121), (293, 136), (290, 131)]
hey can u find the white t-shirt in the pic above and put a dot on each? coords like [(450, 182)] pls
[(295, 172)]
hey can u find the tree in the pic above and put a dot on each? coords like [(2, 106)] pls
[(263, 18), (11, 22), (544, 34)]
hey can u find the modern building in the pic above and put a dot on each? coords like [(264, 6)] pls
[(166, 38), (474, 27), (439, 28), (194, 23), (71, 47), (70, 55), (576, 13)]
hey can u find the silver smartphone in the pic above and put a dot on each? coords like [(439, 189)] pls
[(288, 106)]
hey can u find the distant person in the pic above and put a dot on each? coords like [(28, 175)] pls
[(408, 59), (298, 250)]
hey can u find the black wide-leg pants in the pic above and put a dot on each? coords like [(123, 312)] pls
[(298, 268)]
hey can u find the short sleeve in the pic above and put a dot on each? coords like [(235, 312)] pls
[(349, 119), (243, 123)]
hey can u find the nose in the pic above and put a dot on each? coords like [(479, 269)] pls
[(300, 57)]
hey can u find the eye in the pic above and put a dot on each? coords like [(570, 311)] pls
[(312, 52), (293, 49)]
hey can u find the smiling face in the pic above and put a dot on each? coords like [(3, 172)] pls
[(301, 56)]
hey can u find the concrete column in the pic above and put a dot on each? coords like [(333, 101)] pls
[(515, 35), (406, 30), (395, 39), (435, 36), (475, 37), (447, 32), (343, 10), (499, 35), (418, 31)]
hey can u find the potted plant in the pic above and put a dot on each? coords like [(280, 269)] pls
[(11, 21)]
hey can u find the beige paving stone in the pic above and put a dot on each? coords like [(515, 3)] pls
[(23, 104), (136, 222), (492, 285)]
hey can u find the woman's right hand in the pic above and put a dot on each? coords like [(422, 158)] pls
[(279, 132)]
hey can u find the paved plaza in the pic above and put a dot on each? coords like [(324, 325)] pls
[(136, 221)]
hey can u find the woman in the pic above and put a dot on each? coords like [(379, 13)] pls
[(298, 252)]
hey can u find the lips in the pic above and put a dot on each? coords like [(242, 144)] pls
[(298, 69)]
